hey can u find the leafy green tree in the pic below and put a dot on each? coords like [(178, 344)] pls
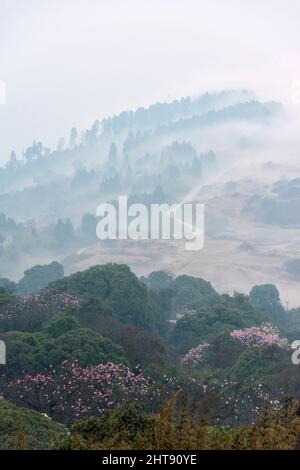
[(97, 315), (128, 421), (265, 299), (158, 280), (191, 292), (258, 363), (22, 428), (38, 277), (210, 321), (61, 325), (61, 340), (121, 290), (6, 298)]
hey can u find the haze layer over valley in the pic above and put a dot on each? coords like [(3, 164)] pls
[(228, 150)]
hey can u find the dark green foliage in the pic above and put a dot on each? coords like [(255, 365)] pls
[(191, 292), (265, 299), (175, 427), (163, 300), (61, 325), (6, 298), (61, 340), (140, 345), (258, 363), (292, 324), (209, 322), (119, 319), (119, 287), (158, 280), (38, 277), (128, 421), (224, 351), (21, 429), (181, 294), (97, 315)]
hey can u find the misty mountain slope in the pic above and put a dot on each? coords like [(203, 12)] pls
[(142, 150), (218, 149), (40, 163), (162, 113)]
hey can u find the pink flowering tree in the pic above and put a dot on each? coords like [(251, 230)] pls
[(29, 312), (196, 356), (72, 392), (264, 336)]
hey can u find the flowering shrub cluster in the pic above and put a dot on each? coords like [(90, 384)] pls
[(231, 402), (46, 300), (263, 336), (50, 298), (195, 357), (242, 402), (73, 391)]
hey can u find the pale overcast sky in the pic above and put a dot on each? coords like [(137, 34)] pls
[(68, 62)]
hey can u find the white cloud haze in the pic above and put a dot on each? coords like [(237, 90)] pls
[(68, 62)]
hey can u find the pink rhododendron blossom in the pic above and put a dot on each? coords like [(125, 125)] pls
[(261, 336), (46, 300), (195, 356), (74, 391)]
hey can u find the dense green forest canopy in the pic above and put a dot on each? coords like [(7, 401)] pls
[(87, 344)]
